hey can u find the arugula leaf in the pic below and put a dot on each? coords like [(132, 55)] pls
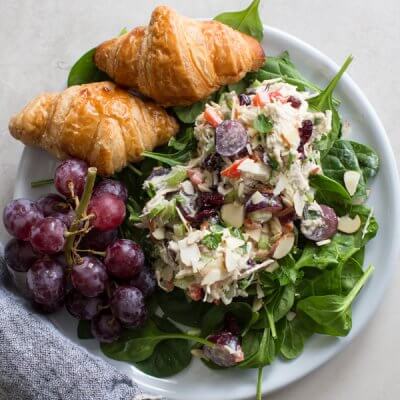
[(263, 124), (212, 240), (247, 21), (186, 143), (332, 313)]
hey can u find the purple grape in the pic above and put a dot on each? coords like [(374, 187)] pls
[(98, 240), (46, 280), (90, 277), (47, 235), (116, 188), (66, 218), (209, 200), (127, 304), (227, 351), (82, 307), (73, 171), (19, 216), (52, 203), (124, 259), (322, 231), (19, 255), (269, 203), (47, 308), (109, 211), (145, 281), (105, 327), (230, 138)]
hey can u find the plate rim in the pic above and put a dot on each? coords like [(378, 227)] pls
[(387, 152)]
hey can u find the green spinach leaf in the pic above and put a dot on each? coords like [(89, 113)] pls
[(175, 305), (85, 71), (328, 190), (332, 313), (367, 158), (247, 21), (188, 114), (213, 320)]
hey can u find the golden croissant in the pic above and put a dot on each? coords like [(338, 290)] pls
[(97, 122), (178, 60)]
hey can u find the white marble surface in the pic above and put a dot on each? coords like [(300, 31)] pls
[(40, 40)]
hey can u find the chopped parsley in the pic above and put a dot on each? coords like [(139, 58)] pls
[(212, 240), (263, 124)]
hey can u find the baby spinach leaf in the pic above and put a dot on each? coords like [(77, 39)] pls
[(293, 335), (139, 344), (325, 101), (279, 305), (287, 273), (84, 331), (328, 190), (341, 247), (332, 313), (367, 158), (188, 114), (175, 305), (85, 71), (338, 280), (259, 349), (341, 158), (213, 320), (169, 358), (247, 21), (281, 67)]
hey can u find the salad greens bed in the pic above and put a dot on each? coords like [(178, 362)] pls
[(313, 289)]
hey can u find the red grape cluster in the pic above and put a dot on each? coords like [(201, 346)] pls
[(71, 253)]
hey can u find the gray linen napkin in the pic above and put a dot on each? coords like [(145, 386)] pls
[(39, 363)]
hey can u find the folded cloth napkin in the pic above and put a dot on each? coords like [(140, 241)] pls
[(38, 363)]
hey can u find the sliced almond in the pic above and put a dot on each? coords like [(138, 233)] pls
[(347, 224), (351, 180), (233, 214), (284, 246), (158, 233), (272, 267)]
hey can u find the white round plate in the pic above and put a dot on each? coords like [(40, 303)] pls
[(203, 383)]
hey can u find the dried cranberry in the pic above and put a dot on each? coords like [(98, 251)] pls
[(294, 102), (209, 199), (287, 215), (244, 100), (205, 214), (213, 162), (306, 130), (305, 133)]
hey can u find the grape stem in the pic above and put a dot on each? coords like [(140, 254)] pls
[(99, 253), (80, 213)]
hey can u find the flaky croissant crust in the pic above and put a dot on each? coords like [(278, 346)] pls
[(97, 122), (177, 60)]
